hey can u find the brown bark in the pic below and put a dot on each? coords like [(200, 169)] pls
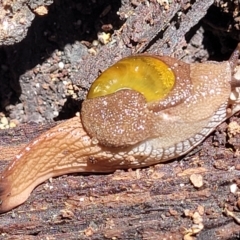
[(159, 202)]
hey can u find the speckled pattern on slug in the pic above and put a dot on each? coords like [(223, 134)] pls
[(140, 133), (120, 119)]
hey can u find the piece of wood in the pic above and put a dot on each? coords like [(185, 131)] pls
[(158, 202)]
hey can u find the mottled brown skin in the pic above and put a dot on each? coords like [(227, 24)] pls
[(135, 134), (115, 127)]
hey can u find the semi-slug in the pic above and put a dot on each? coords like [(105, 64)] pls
[(141, 111)]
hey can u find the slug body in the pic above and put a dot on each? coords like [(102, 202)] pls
[(141, 111)]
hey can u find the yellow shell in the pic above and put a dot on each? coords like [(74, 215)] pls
[(145, 74)]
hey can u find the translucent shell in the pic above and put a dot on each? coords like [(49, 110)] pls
[(145, 74)]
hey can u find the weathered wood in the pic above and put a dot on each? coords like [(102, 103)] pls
[(159, 202)]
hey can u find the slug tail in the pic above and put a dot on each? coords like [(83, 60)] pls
[(5, 193), (64, 149)]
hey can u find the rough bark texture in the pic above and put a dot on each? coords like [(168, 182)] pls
[(17, 16), (166, 201)]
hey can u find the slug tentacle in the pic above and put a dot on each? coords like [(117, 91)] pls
[(141, 111)]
